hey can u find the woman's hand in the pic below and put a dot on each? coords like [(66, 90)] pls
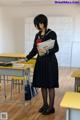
[(42, 51), (20, 60)]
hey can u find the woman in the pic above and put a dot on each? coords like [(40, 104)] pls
[(46, 68)]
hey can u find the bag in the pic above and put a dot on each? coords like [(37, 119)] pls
[(28, 95), (30, 91)]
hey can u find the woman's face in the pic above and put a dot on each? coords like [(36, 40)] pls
[(41, 27)]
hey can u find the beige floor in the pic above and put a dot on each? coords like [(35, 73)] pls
[(30, 111)]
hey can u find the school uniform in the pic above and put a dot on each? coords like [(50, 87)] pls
[(46, 67)]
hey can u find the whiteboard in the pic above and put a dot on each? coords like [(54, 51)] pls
[(64, 27), (76, 55)]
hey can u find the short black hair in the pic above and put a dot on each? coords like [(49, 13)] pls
[(40, 19)]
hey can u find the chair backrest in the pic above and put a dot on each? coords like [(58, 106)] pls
[(32, 61)]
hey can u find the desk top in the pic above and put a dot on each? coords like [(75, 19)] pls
[(76, 73), (17, 55), (71, 100), (17, 67)]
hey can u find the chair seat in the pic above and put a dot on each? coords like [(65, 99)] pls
[(32, 62), (19, 78), (76, 73)]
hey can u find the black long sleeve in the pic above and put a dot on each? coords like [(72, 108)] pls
[(33, 52)]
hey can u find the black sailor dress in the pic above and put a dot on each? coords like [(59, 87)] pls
[(46, 67)]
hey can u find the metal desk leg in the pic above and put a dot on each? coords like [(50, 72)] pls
[(23, 88), (29, 82), (4, 86), (77, 83), (11, 89), (68, 114), (25, 73)]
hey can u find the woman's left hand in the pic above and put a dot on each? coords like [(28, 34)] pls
[(41, 51)]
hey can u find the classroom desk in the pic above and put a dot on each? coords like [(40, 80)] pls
[(7, 57), (76, 75), (15, 71), (12, 71), (71, 101)]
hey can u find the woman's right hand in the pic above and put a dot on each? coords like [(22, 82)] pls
[(21, 60)]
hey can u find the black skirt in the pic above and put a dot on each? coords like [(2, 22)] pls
[(46, 72)]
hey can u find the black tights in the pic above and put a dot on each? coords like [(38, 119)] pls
[(51, 96)]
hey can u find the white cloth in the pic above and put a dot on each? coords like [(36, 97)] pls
[(43, 47)]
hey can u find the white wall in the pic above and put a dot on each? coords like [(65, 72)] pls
[(50, 10), (76, 44), (1, 30), (13, 22), (7, 35), (11, 35), (19, 34), (64, 28)]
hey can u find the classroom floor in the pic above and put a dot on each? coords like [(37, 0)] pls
[(30, 111)]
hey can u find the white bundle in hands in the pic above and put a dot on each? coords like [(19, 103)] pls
[(43, 47)]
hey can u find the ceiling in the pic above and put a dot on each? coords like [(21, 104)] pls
[(24, 2), (29, 2)]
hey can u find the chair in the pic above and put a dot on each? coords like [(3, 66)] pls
[(18, 81)]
